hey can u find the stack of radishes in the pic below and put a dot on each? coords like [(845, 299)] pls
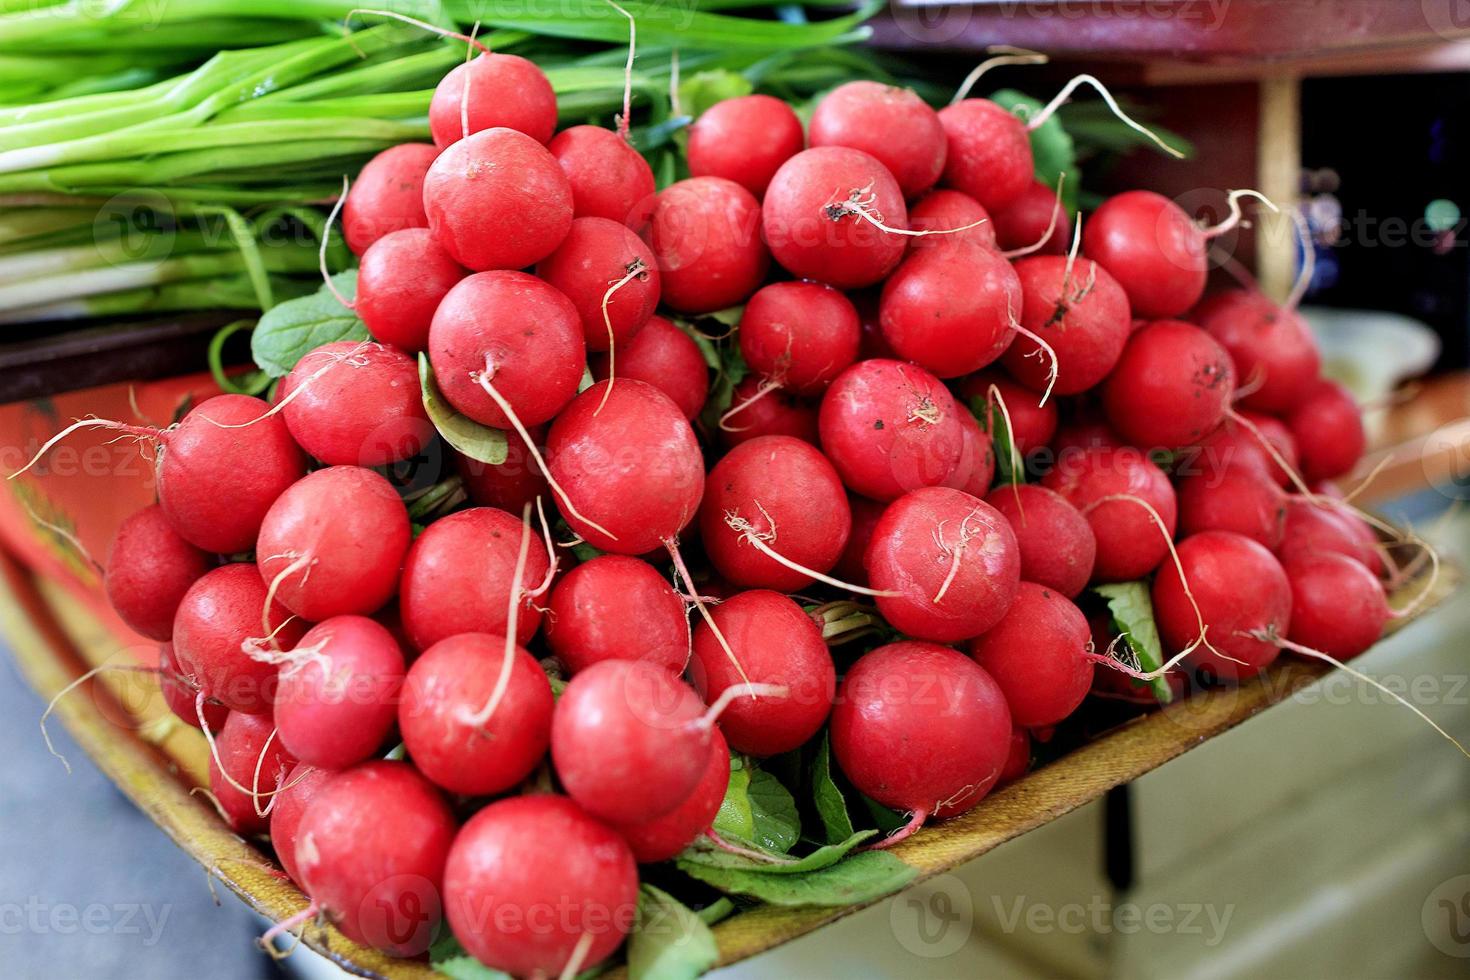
[(881, 317)]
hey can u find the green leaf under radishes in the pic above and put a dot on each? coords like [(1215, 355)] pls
[(1132, 610), (669, 941), (467, 436), (290, 330)]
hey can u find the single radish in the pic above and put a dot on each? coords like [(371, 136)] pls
[(853, 565), (444, 691), (1032, 424), (1038, 655), (889, 428), (800, 335), (516, 332), (355, 404), (1242, 499), (536, 887), (181, 694), (338, 694), (498, 200), (1328, 427), (1129, 544), (759, 502), (609, 178), (333, 543), (1056, 543), (1171, 388), (663, 837), (1080, 311), (611, 277), (388, 195), (1320, 527), (744, 139), (835, 215), (1337, 605), (218, 614), (706, 234), (626, 457), (1152, 248), (921, 728), (402, 278), (946, 210), (1275, 355), (371, 848), (457, 577), (989, 155), (952, 561), (504, 90), (247, 753), (759, 409), (623, 723), (975, 471), (666, 357), (587, 618), (148, 571), (951, 310), (891, 124), (509, 485), (1235, 444), (1027, 220), (775, 642), (297, 789)]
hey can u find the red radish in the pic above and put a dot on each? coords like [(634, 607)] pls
[(626, 456), (498, 200), (1360, 529), (1152, 248), (1337, 605), (975, 471), (182, 695), (218, 614), (1080, 311), (1275, 355), (1171, 388), (588, 620), (760, 500), (1019, 759), (1031, 425), (510, 485), (1037, 654), (800, 334), (921, 728), (775, 643), (946, 210), (989, 152), (355, 404), (1315, 528), (457, 577), (247, 753), (1026, 220), (889, 428), (401, 280), (609, 275), (445, 690), (333, 543), (891, 124), (1328, 426), (1242, 499), (505, 90), (1056, 543), (149, 570), (210, 497), (951, 310), (1129, 544), (853, 566), (298, 788), (706, 234), (537, 888), (338, 695), (667, 358), (1235, 444), (759, 409), (744, 139), (663, 837), (371, 848), (952, 561), (519, 333), (388, 195), (1244, 600), (609, 178), (623, 723), (835, 215)]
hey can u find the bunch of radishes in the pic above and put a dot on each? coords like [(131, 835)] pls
[(888, 338)]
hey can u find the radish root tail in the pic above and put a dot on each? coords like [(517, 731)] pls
[(136, 431), (1061, 98), (1005, 54), (761, 541), (678, 559), (1051, 227), (1235, 216), (636, 269), (480, 718)]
